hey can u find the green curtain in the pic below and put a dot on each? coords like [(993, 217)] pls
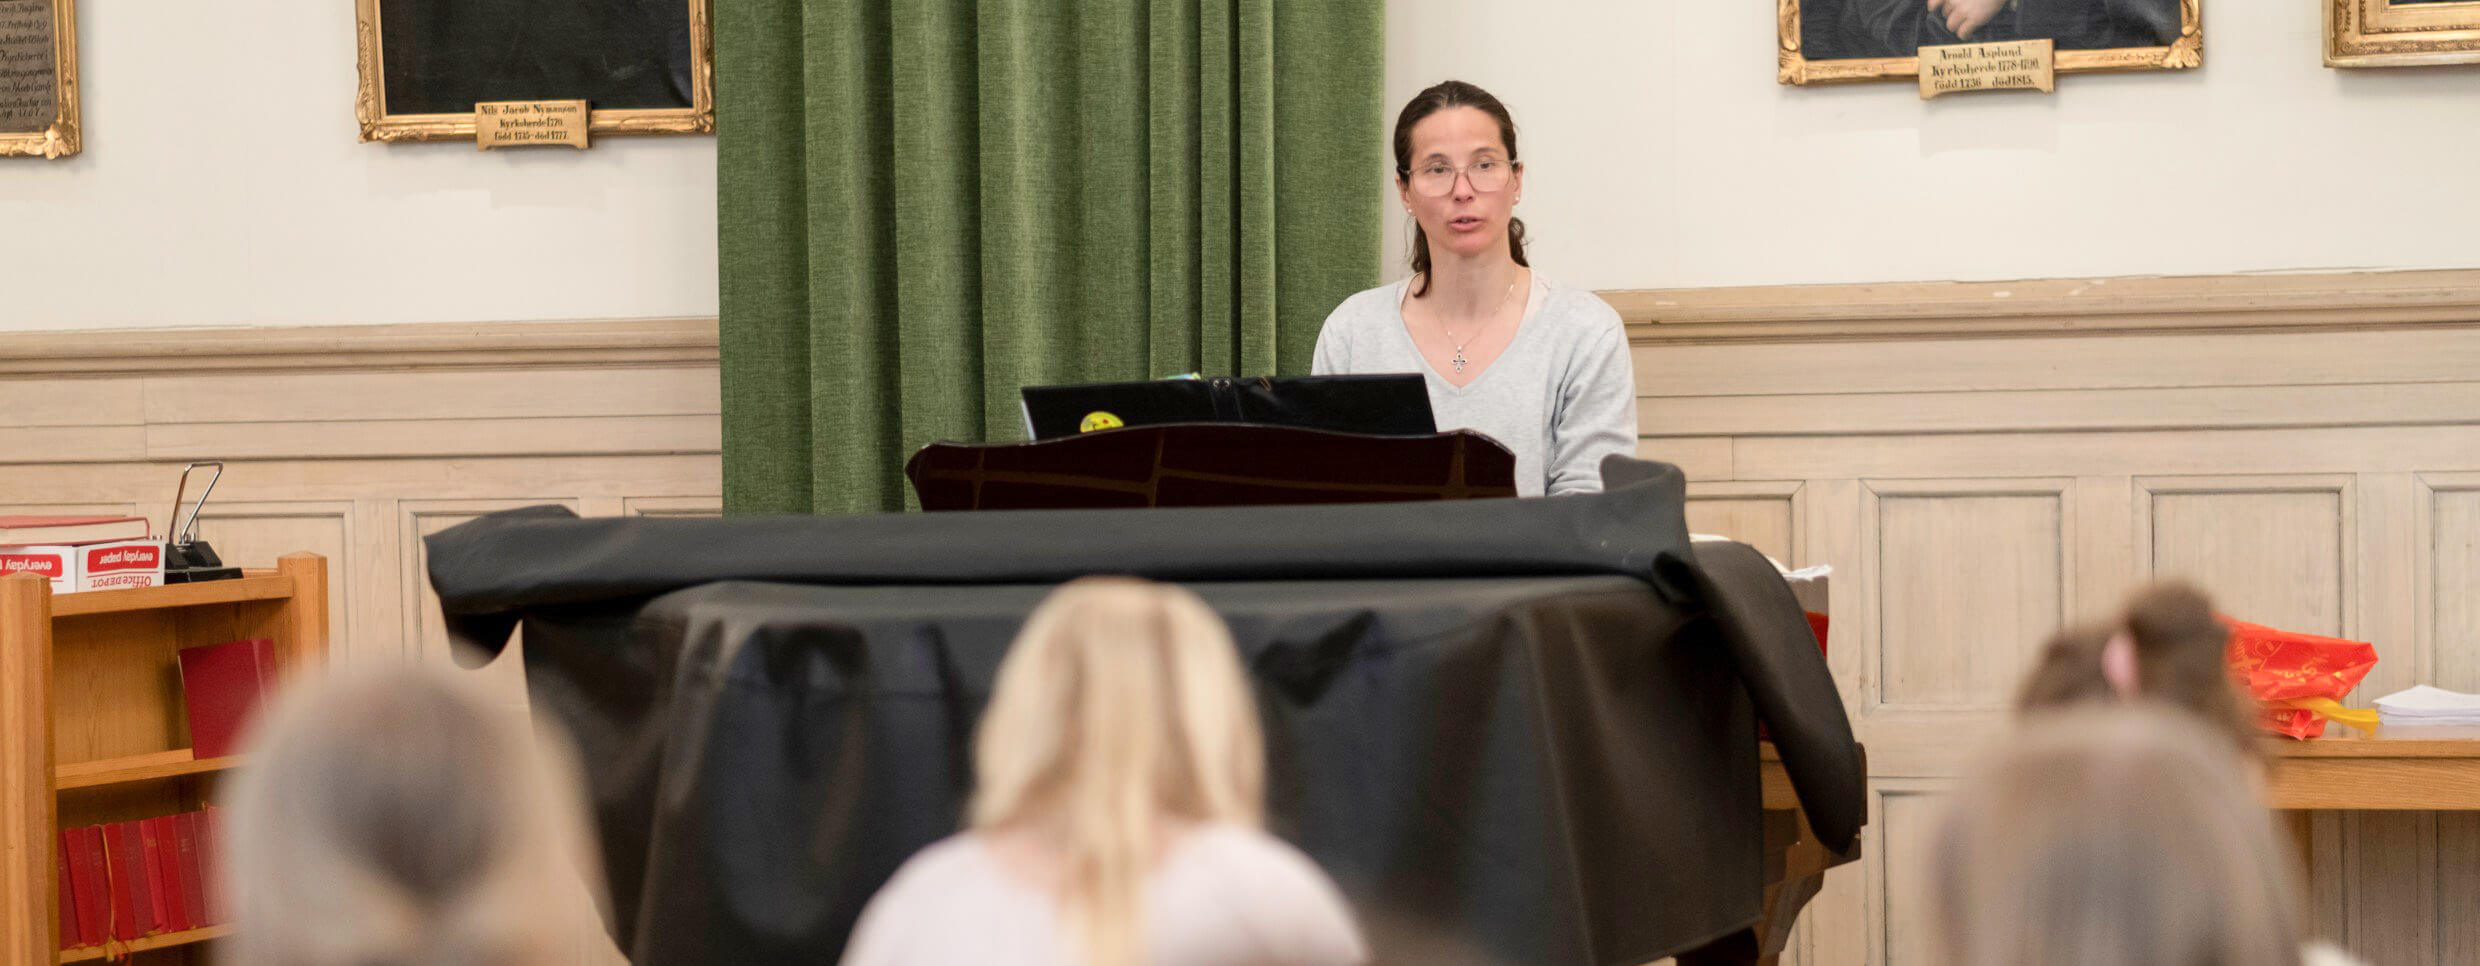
[(926, 204)]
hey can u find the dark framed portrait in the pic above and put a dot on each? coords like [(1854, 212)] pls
[(38, 78), (641, 66), (1831, 41), (2401, 33)]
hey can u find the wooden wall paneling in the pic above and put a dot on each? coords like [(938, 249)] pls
[(1835, 929), (2446, 579), (253, 533), (412, 476), (1700, 457), (2062, 361), (2016, 308), (361, 395), (2390, 876), (2329, 878), (71, 419), (2104, 561), (672, 506), (2447, 604), (1903, 819), (2276, 550), (383, 629), (1972, 576), (2247, 451), (2048, 410), (2393, 893), (513, 436), (2386, 544), (1764, 515)]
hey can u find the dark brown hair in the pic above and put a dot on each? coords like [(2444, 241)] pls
[(2179, 648), (1439, 97)]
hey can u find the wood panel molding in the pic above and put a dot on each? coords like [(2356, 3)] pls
[(1983, 576), (1767, 313), (375, 348), (2076, 306)]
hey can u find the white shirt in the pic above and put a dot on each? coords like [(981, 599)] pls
[(1224, 895)]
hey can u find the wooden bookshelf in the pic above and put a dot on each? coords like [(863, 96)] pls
[(177, 763), (167, 940), (93, 728)]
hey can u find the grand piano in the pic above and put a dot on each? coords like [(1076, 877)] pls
[(1513, 730)]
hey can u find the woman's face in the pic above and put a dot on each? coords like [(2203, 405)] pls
[(1450, 150)]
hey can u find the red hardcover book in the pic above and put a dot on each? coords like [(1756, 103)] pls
[(67, 900), (211, 862), (193, 875), (224, 686), (88, 880), (164, 882), (133, 906)]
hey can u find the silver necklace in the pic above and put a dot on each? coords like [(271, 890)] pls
[(1458, 362)]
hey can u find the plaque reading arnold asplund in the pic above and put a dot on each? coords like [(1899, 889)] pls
[(29, 86)]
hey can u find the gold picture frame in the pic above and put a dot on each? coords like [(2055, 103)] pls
[(377, 124), (2383, 33), (58, 139), (1794, 68)]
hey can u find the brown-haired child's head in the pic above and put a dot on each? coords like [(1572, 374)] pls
[(2166, 647)]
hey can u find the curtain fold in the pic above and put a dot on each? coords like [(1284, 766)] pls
[(926, 204)]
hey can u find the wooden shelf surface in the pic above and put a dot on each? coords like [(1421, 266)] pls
[(159, 941), (261, 585), (138, 768), (2391, 741)]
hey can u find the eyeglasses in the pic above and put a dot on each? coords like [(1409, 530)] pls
[(1437, 178)]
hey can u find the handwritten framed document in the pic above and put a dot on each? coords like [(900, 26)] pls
[(38, 78), (641, 66), (1835, 41), (2401, 33)]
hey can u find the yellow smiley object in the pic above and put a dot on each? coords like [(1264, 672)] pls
[(1099, 419)]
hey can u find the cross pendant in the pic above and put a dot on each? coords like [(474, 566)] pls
[(1458, 361)]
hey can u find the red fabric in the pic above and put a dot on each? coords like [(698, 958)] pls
[(2278, 665)]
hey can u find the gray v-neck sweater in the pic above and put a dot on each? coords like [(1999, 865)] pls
[(1562, 395)]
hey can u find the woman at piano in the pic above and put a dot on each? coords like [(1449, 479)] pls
[(1538, 366)]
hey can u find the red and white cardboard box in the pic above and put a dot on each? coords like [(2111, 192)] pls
[(120, 565), (55, 562), (102, 565)]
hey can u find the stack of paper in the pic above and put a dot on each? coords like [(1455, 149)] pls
[(2424, 705)]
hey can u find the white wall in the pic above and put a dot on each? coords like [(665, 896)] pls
[(222, 184), (1660, 152)]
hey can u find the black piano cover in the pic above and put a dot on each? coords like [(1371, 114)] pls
[(1524, 730)]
